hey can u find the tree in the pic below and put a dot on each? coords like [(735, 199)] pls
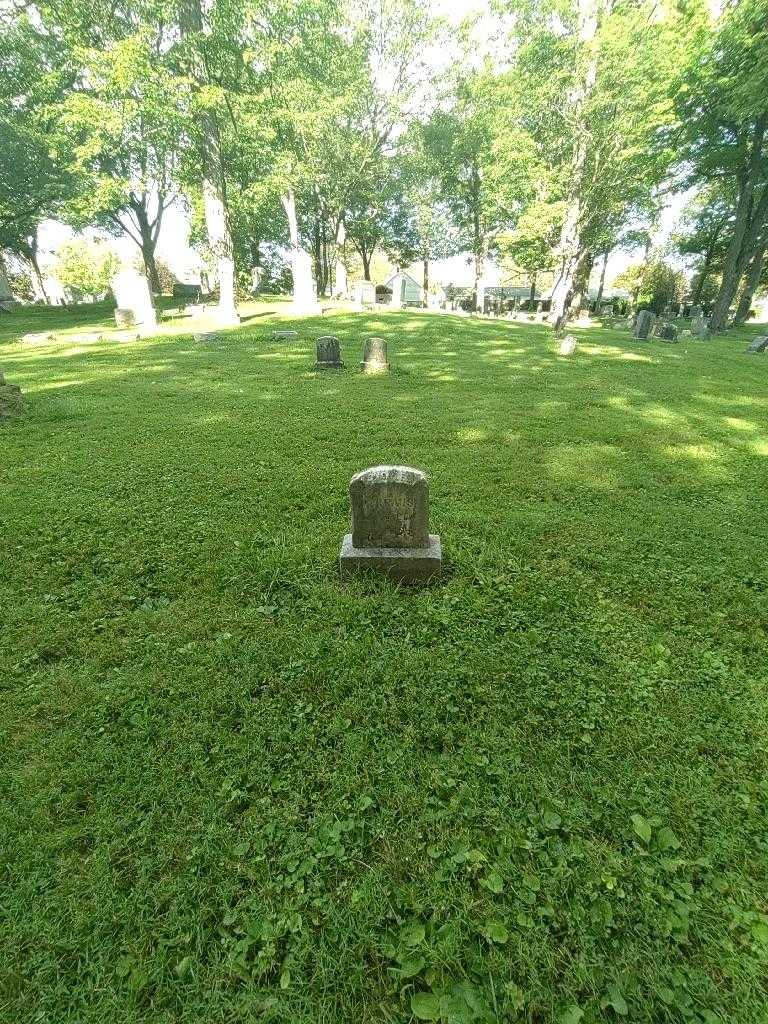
[(592, 94), (86, 266), (722, 104), (703, 233), (654, 284), (123, 134)]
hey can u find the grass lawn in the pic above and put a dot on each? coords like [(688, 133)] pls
[(235, 791)]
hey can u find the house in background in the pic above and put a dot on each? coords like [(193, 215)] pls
[(401, 290)]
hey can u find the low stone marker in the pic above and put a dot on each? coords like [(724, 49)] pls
[(206, 337), (38, 338), (390, 526), (328, 353), (375, 359), (124, 317), (667, 331), (285, 335), (758, 344), (643, 324), (567, 345)]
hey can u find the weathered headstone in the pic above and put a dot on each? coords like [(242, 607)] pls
[(124, 317), (643, 324), (375, 359), (667, 331), (758, 344), (699, 327), (207, 337), (567, 345), (132, 293), (390, 526), (328, 353), (285, 335)]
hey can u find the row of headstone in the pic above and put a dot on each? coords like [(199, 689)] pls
[(328, 352)]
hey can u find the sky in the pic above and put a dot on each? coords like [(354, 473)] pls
[(173, 245)]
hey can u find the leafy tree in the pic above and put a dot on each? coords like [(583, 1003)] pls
[(654, 285), (86, 266), (592, 94), (703, 232), (722, 105)]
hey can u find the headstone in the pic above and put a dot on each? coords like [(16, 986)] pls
[(304, 288), (390, 526), (686, 334), (285, 335), (375, 359), (206, 337), (187, 291), (567, 345), (643, 324), (699, 327), (667, 331), (328, 353), (758, 344), (364, 293), (124, 317), (132, 293), (196, 309)]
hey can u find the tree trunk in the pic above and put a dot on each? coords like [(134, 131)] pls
[(148, 244), (749, 287), (479, 298), (214, 184), (36, 272), (746, 228), (581, 279), (532, 294), (570, 236), (601, 286), (425, 261), (340, 283), (364, 256), (304, 294)]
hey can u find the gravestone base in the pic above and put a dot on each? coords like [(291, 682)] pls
[(325, 365), (403, 565)]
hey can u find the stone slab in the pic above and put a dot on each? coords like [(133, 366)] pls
[(285, 335), (403, 565), (758, 344)]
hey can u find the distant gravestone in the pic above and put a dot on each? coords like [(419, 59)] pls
[(132, 293), (667, 331), (375, 358), (124, 317), (364, 293), (567, 345), (285, 335), (207, 337), (390, 526), (328, 353), (643, 324), (699, 327), (758, 344)]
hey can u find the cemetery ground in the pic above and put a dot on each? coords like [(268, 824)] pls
[(236, 790)]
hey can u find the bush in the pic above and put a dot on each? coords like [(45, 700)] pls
[(87, 267)]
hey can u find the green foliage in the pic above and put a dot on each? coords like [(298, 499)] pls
[(86, 266), (654, 284)]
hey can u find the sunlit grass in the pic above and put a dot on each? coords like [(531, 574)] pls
[(236, 791)]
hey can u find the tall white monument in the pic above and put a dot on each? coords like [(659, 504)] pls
[(132, 293)]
